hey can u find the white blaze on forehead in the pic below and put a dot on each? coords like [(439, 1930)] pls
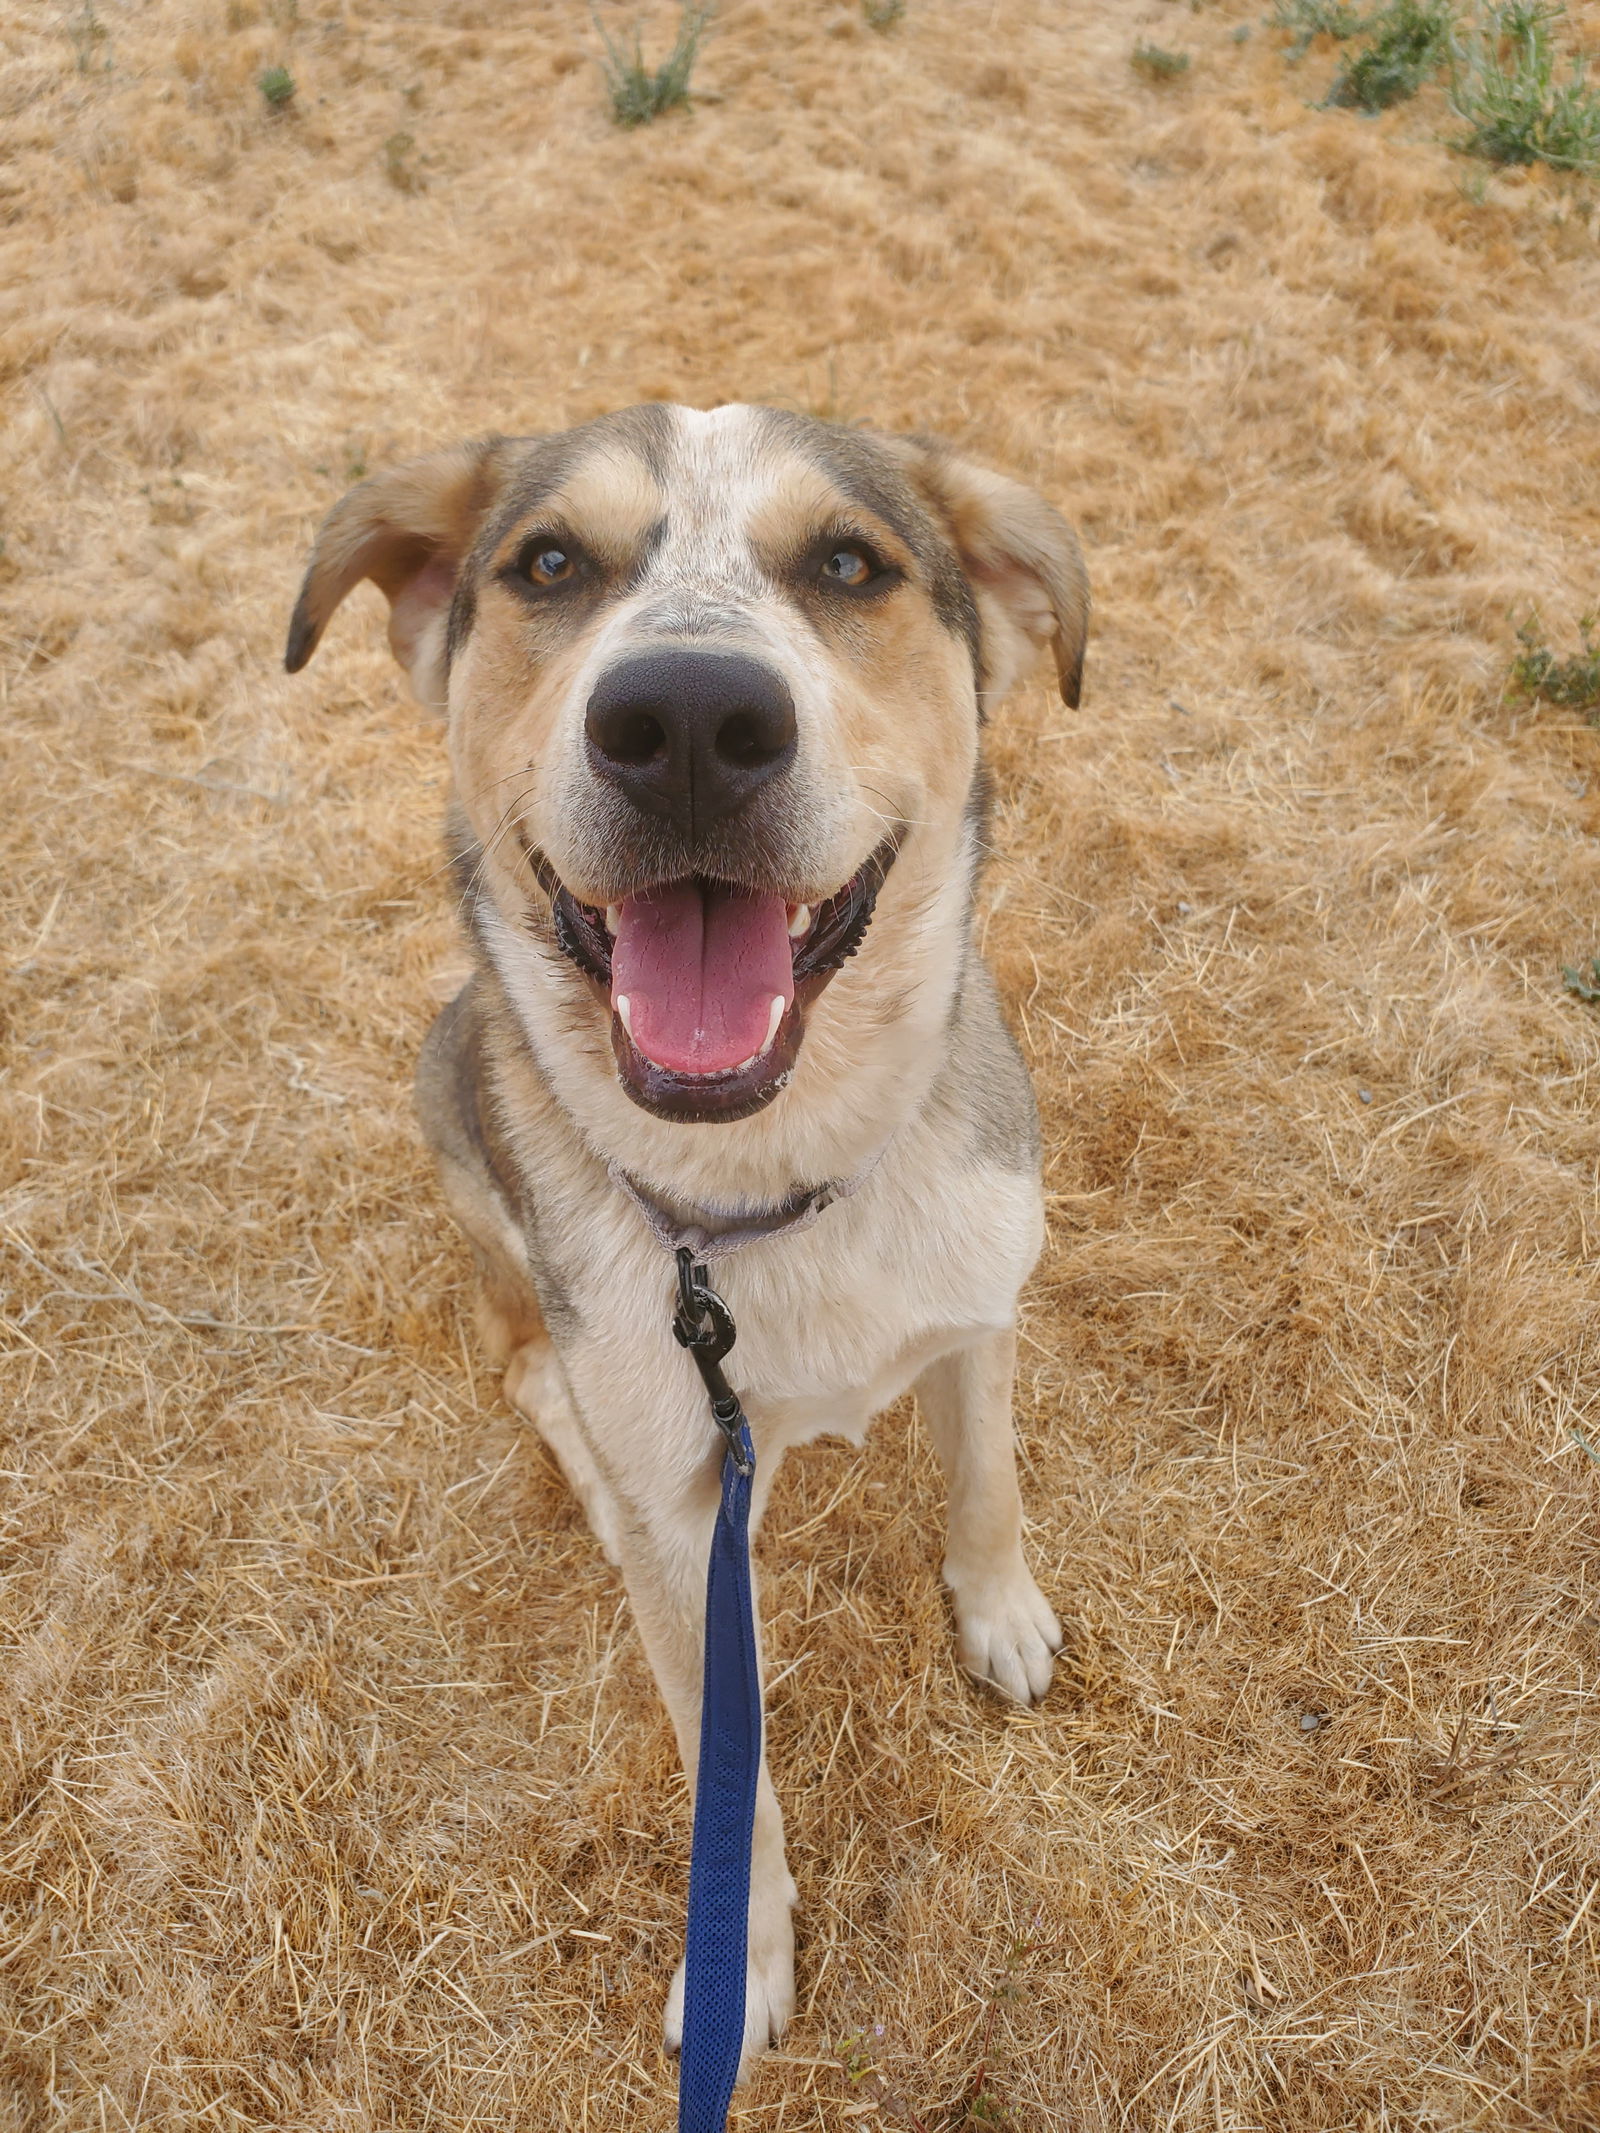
[(719, 480)]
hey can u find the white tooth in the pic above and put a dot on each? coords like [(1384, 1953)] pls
[(613, 918), (773, 1019), (624, 1008), (799, 921)]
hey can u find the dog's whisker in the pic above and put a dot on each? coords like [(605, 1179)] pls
[(474, 879)]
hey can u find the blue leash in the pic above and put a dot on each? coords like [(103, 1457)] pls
[(730, 1741)]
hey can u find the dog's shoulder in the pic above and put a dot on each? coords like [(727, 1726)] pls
[(487, 1116), (455, 1097), (983, 1087)]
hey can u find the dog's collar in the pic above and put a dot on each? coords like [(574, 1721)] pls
[(725, 1231)]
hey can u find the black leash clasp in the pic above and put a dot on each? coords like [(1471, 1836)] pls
[(704, 1325)]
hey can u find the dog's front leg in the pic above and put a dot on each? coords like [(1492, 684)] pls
[(664, 1546), (1006, 1632)]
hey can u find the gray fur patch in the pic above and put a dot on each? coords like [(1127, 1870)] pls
[(456, 1107), (984, 1081)]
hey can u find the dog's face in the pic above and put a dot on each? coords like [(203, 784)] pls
[(710, 678)]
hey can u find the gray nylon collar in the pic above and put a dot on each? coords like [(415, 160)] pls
[(726, 1231)]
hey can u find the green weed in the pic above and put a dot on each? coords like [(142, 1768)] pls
[(88, 34), (277, 87), (857, 2055), (1506, 89), (1406, 42), (1156, 65), (1306, 19), (639, 95), (400, 165), (1522, 101), (1585, 982), (882, 15), (1573, 683)]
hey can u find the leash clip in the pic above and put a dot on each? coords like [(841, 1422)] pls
[(704, 1325)]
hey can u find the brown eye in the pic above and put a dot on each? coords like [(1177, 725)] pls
[(849, 566), (547, 564)]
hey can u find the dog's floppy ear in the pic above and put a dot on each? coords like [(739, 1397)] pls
[(1021, 558), (408, 531)]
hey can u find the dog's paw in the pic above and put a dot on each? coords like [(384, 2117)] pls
[(1007, 1635), (768, 1992)]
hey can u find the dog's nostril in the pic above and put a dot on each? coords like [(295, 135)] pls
[(749, 738), (631, 737)]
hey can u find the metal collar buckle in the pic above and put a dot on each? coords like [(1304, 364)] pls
[(704, 1325)]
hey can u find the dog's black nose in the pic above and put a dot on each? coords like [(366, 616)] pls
[(688, 734)]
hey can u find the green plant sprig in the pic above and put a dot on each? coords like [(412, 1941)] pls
[(640, 94), (1574, 683)]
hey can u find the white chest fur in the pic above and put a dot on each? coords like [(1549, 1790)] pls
[(834, 1322)]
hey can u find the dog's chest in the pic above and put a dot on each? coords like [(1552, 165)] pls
[(835, 1325), (847, 1409), (833, 1322)]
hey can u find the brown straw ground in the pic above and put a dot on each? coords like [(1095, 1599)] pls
[(336, 1794)]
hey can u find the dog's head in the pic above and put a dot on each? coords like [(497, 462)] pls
[(710, 677)]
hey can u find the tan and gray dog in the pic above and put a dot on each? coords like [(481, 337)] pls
[(714, 684)]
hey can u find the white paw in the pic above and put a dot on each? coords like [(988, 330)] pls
[(768, 1989), (1007, 1634)]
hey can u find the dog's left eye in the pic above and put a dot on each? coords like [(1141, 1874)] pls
[(849, 565), (546, 562)]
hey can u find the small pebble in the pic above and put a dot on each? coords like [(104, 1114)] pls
[(1365, 1095), (1309, 1721)]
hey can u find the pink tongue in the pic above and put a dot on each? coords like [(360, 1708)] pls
[(700, 966)]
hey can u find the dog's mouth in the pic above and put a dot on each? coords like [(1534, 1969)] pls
[(709, 983)]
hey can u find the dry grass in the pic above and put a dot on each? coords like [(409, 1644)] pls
[(336, 1794)]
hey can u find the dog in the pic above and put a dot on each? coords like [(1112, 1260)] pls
[(714, 683)]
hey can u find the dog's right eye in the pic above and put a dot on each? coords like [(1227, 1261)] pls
[(545, 561)]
